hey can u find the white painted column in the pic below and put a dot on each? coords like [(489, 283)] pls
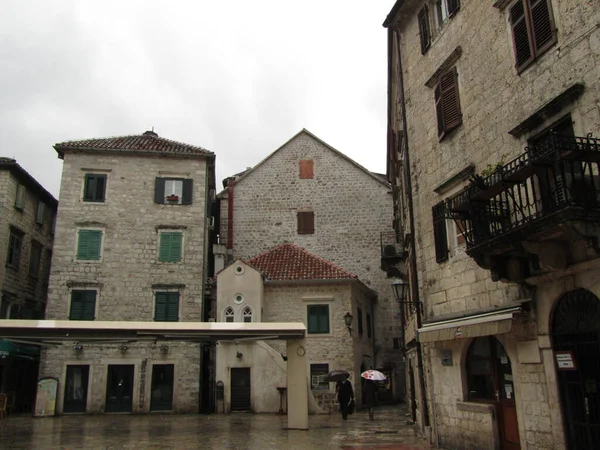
[(297, 385)]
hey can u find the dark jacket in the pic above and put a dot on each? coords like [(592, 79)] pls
[(370, 393), (345, 392)]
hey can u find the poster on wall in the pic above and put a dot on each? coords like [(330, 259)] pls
[(565, 360), (45, 400)]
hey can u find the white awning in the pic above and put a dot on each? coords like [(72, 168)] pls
[(485, 324)]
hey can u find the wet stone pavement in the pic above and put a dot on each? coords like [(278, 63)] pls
[(240, 431)]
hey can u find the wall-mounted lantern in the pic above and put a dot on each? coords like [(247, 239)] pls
[(348, 318)]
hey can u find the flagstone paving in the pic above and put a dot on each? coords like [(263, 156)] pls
[(234, 431)]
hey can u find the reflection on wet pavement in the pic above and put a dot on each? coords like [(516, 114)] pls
[(235, 431)]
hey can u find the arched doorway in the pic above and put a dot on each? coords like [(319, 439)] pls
[(576, 342), (490, 380)]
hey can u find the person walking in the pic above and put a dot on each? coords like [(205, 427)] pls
[(345, 394), (370, 397)]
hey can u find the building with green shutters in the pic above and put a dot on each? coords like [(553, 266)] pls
[(132, 238)]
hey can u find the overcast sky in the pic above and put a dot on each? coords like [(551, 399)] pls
[(236, 77)]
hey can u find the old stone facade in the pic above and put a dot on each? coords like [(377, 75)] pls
[(26, 238), (285, 292), (491, 104), (144, 198), (347, 208)]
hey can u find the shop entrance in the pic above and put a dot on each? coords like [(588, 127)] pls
[(76, 387), (119, 388), (576, 341), (162, 387), (490, 380)]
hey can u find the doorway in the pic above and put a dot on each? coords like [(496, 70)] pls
[(76, 387), (490, 380), (240, 389), (576, 340), (161, 398), (119, 388)]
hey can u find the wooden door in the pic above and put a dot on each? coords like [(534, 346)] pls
[(240, 389)]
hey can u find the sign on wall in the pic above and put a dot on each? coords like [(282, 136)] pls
[(565, 360)]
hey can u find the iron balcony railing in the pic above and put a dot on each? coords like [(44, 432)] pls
[(561, 173)]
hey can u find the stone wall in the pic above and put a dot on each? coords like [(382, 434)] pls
[(20, 284), (351, 208)]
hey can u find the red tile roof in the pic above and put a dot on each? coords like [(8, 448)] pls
[(290, 262), (148, 142)]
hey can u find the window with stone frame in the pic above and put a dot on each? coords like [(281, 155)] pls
[(318, 377), (424, 29), (94, 187), (89, 244), (41, 213), (247, 314), (83, 304), (170, 246), (20, 197), (15, 243), (173, 191), (445, 9), (533, 30), (229, 314), (440, 236), (166, 306), (318, 319)]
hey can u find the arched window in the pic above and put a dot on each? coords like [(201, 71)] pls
[(229, 314), (247, 314), (480, 375)]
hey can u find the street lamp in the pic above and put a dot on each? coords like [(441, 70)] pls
[(401, 289), (348, 318)]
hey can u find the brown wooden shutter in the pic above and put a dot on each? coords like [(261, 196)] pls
[(453, 7), (521, 34), (439, 232), (306, 222), (306, 168), (447, 103), (424, 29), (544, 32)]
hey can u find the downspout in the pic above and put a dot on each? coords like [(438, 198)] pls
[(230, 184), (414, 278)]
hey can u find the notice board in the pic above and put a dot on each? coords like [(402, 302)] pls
[(45, 400)]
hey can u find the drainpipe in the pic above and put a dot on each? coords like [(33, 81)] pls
[(414, 279), (230, 216)]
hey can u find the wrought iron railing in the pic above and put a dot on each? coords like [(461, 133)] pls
[(558, 173)]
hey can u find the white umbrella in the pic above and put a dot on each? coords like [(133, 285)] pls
[(374, 375)]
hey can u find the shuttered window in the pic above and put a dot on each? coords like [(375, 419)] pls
[(167, 307), (35, 258), (89, 243), (173, 191), (439, 232), (306, 168), (14, 248), (83, 305), (19, 198), (453, 6), (447, 103), (318, 319), (94, 187), (306, 222), (41, 211), (533, 30), (170, 247), (359, 321), (424, 29)]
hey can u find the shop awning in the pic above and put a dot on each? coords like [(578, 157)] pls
[(8, 348), (484, 324)]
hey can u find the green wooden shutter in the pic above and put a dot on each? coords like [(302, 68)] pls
[(89, 305), (175, 247), (159, 190), (95, 239), (76, 305), (172, 307), (165, 247), (160, 308), (83, 245), (187, 192)]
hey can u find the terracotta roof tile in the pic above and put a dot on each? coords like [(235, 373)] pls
[(143, 143), (290, 262)]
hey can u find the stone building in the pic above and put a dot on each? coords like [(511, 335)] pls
[(492, 110), (309, 194), (131, 245), (26, 236), (289, 284)]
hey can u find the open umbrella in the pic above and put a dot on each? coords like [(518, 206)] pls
[(337, 375), (374, 375)]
